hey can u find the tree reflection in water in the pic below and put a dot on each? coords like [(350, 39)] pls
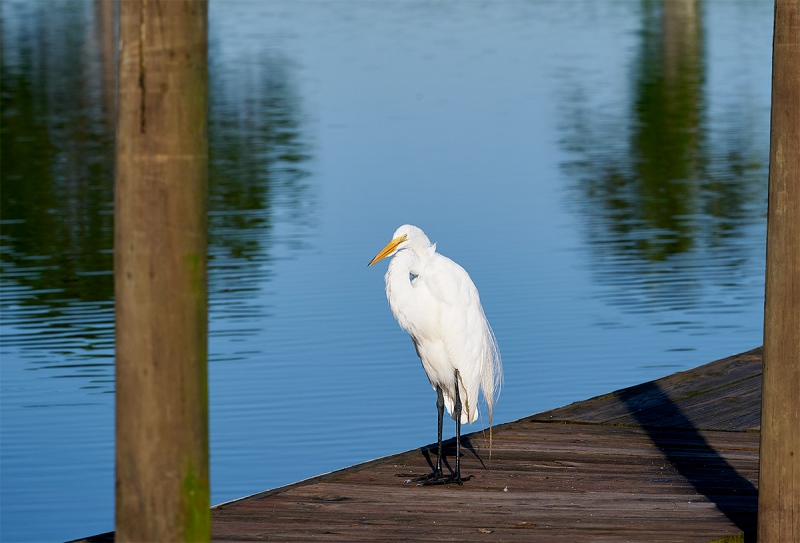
[(664, 192), (57, 185)]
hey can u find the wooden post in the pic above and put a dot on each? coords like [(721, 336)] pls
[(779, 467), (162, 475)]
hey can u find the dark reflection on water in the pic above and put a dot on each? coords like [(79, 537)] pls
[(663, 215), (57, 149), (257, 180), (57, 185)]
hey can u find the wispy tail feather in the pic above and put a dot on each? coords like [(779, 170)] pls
[(491, 377)]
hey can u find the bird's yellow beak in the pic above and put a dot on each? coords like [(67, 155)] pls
[(389, 249)]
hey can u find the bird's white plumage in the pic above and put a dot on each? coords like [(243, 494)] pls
[(436, 302)]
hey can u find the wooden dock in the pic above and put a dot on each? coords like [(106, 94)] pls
[(674, 459)]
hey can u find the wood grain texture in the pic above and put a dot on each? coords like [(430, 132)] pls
[(160, 228), (779, 508), (721, 395)]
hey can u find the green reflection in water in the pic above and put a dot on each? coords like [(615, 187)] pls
[(57, 175), (667, 144), (57, 188), (665, 193), (57, 85)]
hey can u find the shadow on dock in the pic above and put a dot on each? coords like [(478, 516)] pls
[(711, 474)]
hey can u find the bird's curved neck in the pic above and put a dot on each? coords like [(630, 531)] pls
[(403, 269), (403, 265)]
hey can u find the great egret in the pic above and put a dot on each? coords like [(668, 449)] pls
[(436, 302)]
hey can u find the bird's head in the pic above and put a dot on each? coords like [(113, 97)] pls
[(405, 237)]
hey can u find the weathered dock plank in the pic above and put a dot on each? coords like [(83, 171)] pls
[(674, 459), (721, 395)]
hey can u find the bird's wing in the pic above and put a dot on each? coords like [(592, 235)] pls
[(462, 324)]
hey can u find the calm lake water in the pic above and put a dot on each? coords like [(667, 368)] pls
[(600, 169)]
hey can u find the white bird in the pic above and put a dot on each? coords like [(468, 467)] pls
[(436, 302)]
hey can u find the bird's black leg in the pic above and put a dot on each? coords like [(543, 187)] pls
[(457, 413), (436, 474), (457, 409), (440, 411), (437, 477)]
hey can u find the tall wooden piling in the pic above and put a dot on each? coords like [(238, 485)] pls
[(779, 467), (162, 474)]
